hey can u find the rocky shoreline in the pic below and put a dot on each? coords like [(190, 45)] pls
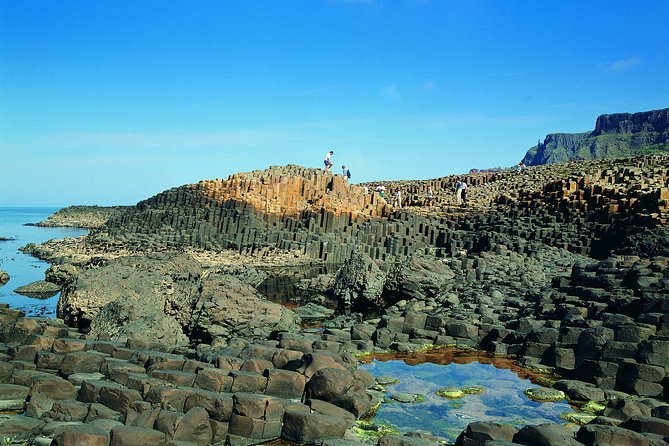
[(86, 217), (563, 267)]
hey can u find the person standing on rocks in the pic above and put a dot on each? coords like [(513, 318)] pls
[(463, 193), (327, 161), (345, 173), (397, 198), (430, 197), (458, 192)]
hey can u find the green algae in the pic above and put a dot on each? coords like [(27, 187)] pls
[(378, 388), (592, 407), (473, 390), (544, 395), (452, 393), (368, 431), (579, 418)]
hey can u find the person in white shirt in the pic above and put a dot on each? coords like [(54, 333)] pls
[(397, 198), (458, 191), (327, 161)]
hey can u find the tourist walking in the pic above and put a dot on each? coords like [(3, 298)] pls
[(327, 161), (381, 189), (458, 192), (430, 197), (397, 198)]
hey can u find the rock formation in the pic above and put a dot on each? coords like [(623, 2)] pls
[(40, 289), (168, 298), (616, 135), (563, 267), (88, 217)]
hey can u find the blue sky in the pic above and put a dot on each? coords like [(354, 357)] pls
[(110, 102)]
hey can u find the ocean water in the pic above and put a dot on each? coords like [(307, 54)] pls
[(22, 268), (503, 400)]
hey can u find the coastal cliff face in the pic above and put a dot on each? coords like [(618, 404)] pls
[(651, 121), (615, 136)]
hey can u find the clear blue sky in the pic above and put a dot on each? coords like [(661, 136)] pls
[(110, 102)]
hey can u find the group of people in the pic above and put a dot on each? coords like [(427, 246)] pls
[(461, 192), (460, 186), (345, 172)]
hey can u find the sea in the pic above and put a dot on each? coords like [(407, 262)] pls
[(22, 268)]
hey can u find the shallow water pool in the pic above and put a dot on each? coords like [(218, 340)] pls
[(502, 400)]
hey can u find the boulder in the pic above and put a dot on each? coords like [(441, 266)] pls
[(135, 436), (311, 428), (194, 428), (610, 435), (546, 435), (13, 397), (17, 429), (359, 283), (4, 277), (340, 388), (480, 432), (81, 435), (417, 278)]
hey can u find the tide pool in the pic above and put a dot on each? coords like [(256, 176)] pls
[(502, 399)]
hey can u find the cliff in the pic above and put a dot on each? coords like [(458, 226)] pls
[(615, 136)]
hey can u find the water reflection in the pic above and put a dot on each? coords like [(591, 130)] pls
[(502, 400)]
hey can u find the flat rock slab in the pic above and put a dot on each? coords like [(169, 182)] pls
[(544, 394), (385, 380), (40, 289), (403, 397), (13, 397), (18, 429)]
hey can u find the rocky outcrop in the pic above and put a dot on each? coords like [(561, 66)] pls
[(40, 289), (651, 121), (556, 148), (615, 135), (359, 284), (169, 298), (554, 265), (87, 217), (4, 277)]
